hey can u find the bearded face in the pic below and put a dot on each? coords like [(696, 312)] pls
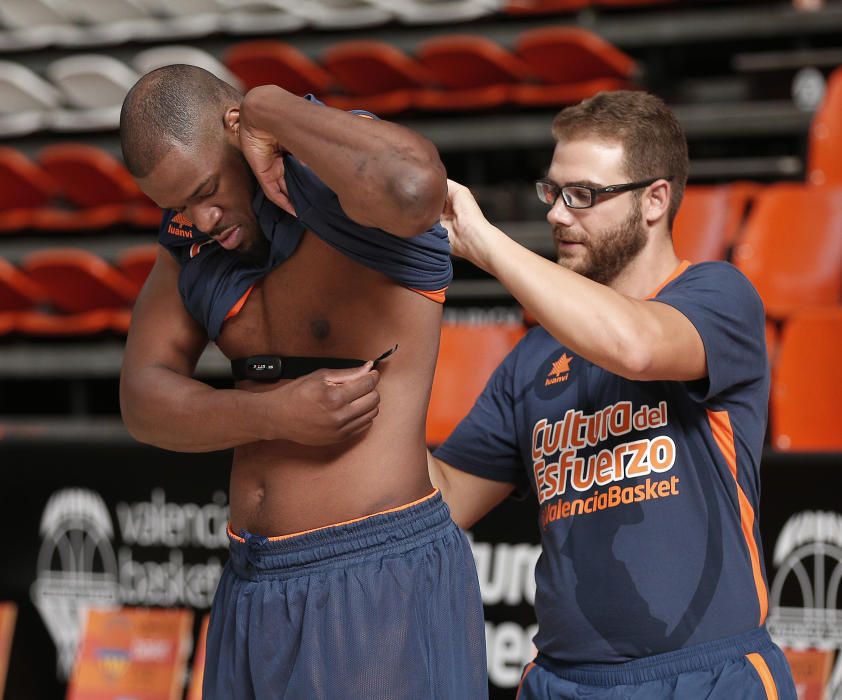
[(601, 255)]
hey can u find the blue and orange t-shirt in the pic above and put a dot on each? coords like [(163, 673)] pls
[(648, 492), (214, 282)]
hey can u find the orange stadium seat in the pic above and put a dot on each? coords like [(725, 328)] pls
[(630, 3), (24, 188), (77, 280), (791, 247), (824, 164), (520, 7), (468, 354), (17, 290), (709, 220), (573, 64), (806, 382), (136, 262), (378, 76), (43, 324), (276, 63), (475, 72), (88, 176)]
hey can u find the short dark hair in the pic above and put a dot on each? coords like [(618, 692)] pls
[(169, 106), (654, 144)]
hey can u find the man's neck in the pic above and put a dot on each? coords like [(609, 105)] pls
[(649, 270)]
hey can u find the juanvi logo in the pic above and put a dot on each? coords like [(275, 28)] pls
[(76, 567), (154, 552), (805, 595)]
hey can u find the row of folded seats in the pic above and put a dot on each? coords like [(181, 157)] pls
[(790, 246), (30, 24), (78, 187), (786, 237), (547, 67)]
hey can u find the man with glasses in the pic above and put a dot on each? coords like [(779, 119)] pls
[(635, 414)]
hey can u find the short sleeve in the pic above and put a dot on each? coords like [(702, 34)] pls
[(485, 441), (728, 314)]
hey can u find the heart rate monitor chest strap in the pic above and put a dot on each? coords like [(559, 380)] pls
[(271, 368)]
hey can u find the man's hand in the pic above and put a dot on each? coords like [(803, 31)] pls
[(262, 150), (324, 407), (466, 225)]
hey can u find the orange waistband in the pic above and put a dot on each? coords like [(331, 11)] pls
[(277, 538)]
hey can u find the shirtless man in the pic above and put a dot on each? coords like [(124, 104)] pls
[(347, 577)]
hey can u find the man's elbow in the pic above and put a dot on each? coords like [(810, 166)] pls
[(421, 194)]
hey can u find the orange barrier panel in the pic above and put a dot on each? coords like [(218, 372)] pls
[(137, 653), (197, 677), (8, 616), (468, 354), (806, 383)]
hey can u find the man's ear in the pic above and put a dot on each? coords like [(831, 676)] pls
[(231, 120), (657, 201)]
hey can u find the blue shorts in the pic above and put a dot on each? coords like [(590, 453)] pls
[(747, 666), (383, 607)]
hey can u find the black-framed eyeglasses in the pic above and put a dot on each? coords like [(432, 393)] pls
[(582, 196)]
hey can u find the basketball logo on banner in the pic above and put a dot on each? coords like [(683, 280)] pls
[(804, 597), (76, 569)]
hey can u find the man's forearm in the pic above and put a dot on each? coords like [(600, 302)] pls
[(163, 408), (381, 170)]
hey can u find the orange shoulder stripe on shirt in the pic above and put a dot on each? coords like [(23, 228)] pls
[(437, 296), (234, 310), (765, 674), (682, 266), (723, 433)]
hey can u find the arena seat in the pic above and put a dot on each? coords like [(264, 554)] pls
[(89, 176), (709, 220), (791, 247), (806, 381), (520, 7), (439, 11), (17, 290), (24, 188), (468, 354), (78, 280), (573, 64), (186, 18), (476, 72), (824, 164), (159, 56), (44, 324), (135, 263), (341, 14), (26, 100), (276, 63), (383, 76), (259, 17)]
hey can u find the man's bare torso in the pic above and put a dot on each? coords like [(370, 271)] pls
[(319, 302)]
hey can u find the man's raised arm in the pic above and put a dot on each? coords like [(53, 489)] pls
[(385, 175)]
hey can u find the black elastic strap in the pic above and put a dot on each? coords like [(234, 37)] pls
[(271, 368)]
